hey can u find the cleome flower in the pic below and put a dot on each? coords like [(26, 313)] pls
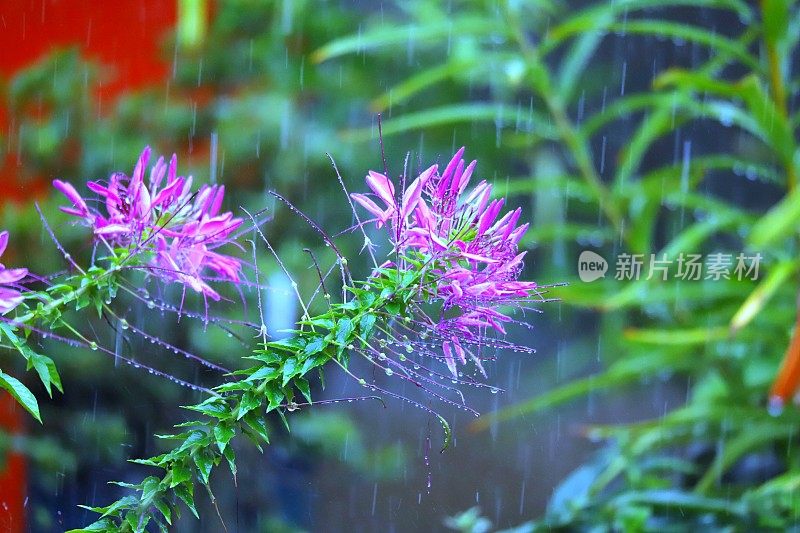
[(178, 228), (10, 296), (469, 249)]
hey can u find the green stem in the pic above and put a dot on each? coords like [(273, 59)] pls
[(575, 142), (778, 90)]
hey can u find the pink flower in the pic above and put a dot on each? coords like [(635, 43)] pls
[(177, 227), (383, 187), (471, 250), (10, 296)]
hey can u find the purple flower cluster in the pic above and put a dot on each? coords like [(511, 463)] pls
[(10, 296), (470, 248), (179, 228)]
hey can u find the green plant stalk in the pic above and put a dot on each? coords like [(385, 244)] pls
[(569, 133), (778, 88), (241, 407)]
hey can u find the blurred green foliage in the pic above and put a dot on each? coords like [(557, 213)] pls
[(595, 148)]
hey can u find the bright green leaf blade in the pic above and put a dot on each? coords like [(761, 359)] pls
[(21, 393), (500, 115)]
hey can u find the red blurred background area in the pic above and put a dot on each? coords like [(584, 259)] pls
[(125, 37)]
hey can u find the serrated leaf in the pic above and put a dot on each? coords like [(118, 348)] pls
[(316, 345), (248, 402), (258, 425), (265, 372), (302, 385), (231, 458), (223, 434), (344, 328), (180, 474), (150, 487), (274, 396), (165, 510), (127, 502), (289, 369), (48, 373), (185, 491), (211, 407), (103, 525), (366, 324), (205, 463)]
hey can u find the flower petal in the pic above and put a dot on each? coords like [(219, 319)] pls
[(383, 187)]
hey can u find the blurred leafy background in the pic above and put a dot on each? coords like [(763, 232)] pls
[(630, 126)]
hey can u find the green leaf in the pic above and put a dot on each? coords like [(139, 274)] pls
[(681, 501), (274, 396), (212, 407), (204, 460), (127, 502), (776, 17), (414, 84), (150, 488), (164, 508), (223, 433), (233, 386), (231, 458), (471, 113), (258, 424), (780, 222), (757, 299), (676, 337), (302, 385), (622, 107), (290, 369), (48, 373), (315, 345), (367, 298), (735, 448), (685, 32), (448, 433), (344, 328), (103, 525), (265, 372), (596, 17), (194, 439), (185, 491), (291, 344), (44, 366), (313, 362), (384, 36), (180, 474), (366, 324), (579, 55), (248, 402), (21, 393), (658, 123)]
